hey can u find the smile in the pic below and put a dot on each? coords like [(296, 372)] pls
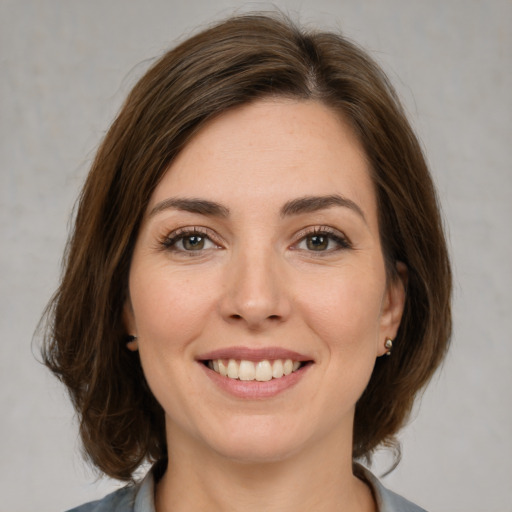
[(262, 371)]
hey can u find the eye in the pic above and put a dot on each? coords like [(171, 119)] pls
[(323, 240), (189, 240), (193, 242)]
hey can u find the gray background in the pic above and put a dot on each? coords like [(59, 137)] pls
[(65, 68)]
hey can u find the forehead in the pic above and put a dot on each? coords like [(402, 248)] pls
[(271, 150)]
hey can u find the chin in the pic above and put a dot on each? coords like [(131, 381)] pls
[(249, 452), (259, 444)]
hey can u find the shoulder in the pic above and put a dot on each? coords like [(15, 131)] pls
[(387, 501), (392, 502), (132, 498), (121, 500)]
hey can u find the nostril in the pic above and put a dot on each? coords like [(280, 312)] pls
[(240, 317)]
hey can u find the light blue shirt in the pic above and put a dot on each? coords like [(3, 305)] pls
[(140, 498)]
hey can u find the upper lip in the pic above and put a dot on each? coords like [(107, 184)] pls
[(253, 354)]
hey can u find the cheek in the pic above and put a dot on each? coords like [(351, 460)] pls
[(345, 310), (168, 306), (170, 311)]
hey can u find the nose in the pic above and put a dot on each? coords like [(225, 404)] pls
[(256, 293)]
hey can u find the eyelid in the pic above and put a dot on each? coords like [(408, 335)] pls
[(167, 241), (335, 234)]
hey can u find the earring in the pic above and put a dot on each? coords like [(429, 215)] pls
[(132, 343), (388, 344)]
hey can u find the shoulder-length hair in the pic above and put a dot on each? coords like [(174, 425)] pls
[(232, 63)]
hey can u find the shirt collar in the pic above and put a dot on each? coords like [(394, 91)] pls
[(145, 497), (386, 500)]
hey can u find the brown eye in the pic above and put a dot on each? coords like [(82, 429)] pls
[(193, 242), (317, 242), (189, 241), (323, 241)]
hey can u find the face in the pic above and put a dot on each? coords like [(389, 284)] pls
[(258, 288)]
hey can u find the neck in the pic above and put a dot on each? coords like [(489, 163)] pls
[(319, 479)]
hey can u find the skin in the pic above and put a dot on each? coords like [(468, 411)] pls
[(259, 281)]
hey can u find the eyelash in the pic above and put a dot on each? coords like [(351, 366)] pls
[(170, 241), (341, 241)]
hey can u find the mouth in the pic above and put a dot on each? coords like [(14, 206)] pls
[(255, 373), (247, 370), (255, 364)]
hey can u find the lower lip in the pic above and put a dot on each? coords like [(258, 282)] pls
[(253, 389)]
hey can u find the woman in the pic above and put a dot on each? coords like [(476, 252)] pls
[(258, 230)]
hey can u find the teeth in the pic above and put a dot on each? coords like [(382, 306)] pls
[(222, 368), (261, 371), (232, 369), (277, 369), (246, 370)]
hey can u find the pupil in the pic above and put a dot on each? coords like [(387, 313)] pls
[(193, 242), (317, 242)]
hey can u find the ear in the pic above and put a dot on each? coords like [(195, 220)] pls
[(129, 323), (393, 306)]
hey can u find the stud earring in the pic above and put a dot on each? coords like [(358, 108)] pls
[(132, 343), (388, 344)]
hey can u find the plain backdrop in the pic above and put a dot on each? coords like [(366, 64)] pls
[(65, 68)]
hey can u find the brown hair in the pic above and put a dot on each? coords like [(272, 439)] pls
[(232, 63)]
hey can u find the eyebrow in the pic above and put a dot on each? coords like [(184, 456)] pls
[(298, 206), (310, 204), (201, 206)]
